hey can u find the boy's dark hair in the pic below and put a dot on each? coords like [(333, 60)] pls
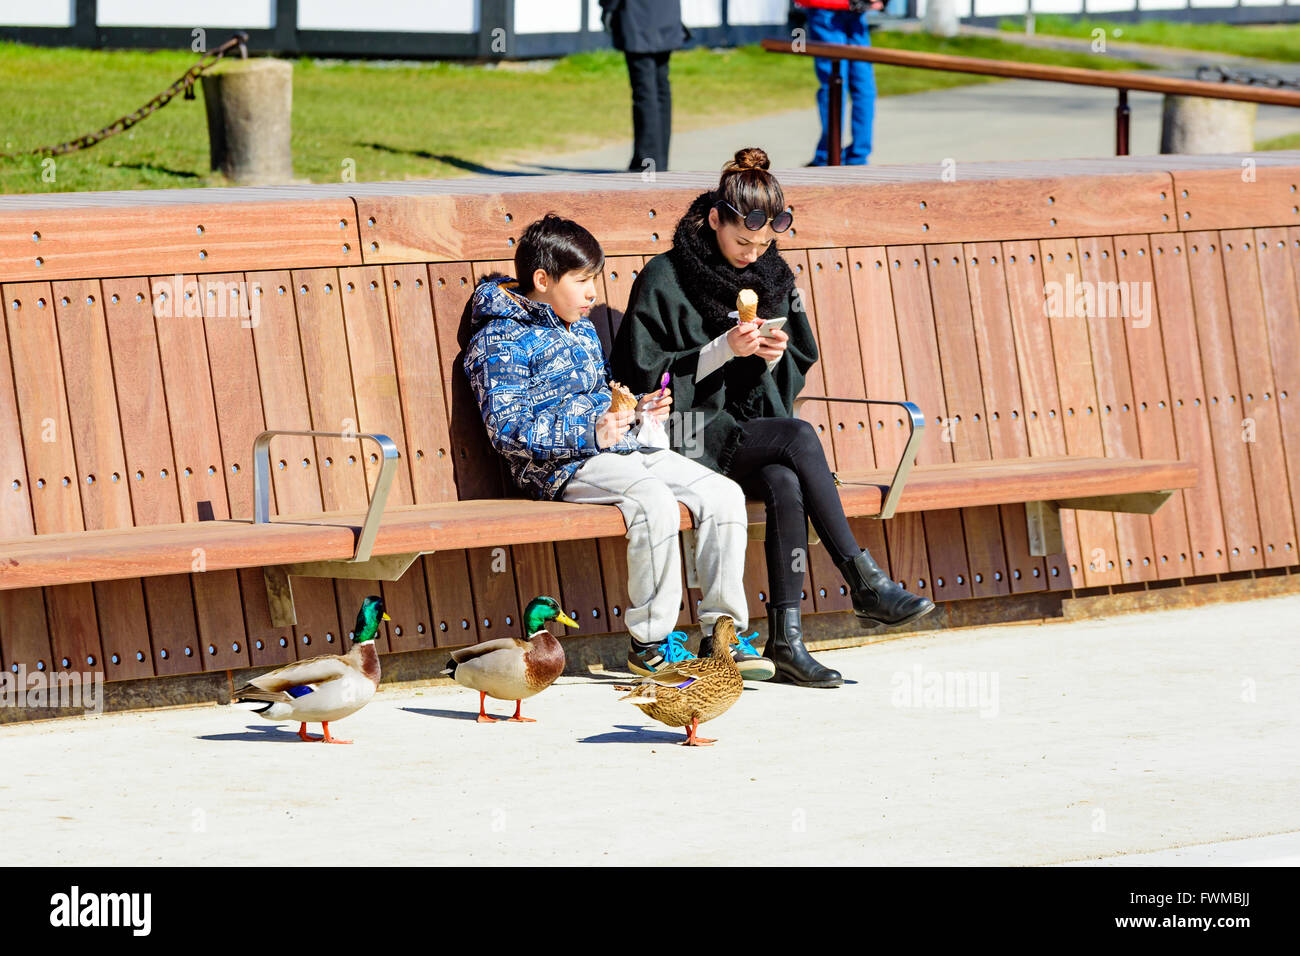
[(556, 245)]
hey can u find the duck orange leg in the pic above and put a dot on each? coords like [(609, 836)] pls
[(517, 717), (692, 736), (483, 717), (303, 735), (331, 740)]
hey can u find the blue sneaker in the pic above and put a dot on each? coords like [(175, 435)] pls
[(652, 658), (752, 664)]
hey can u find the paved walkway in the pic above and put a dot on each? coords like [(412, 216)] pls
[(1023, 119), (1085, 741)]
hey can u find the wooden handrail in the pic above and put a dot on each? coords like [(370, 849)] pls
[(1121, 81), (1042, 71)]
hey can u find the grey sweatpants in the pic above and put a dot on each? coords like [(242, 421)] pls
[(646, 485)]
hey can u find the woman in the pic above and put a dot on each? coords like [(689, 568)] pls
[(735, 391)]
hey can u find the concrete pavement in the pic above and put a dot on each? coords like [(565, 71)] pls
[(1019, 745)]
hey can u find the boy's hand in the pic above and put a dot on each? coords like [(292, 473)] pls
[(612, 426), (744, 339), (773, 346), (656, 405)]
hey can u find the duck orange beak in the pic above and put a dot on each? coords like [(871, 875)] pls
[(566, 620), (386, 617)]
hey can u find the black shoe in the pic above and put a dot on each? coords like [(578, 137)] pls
[(877, 599), (794, 665)]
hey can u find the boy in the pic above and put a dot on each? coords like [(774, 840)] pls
[(542, 382)]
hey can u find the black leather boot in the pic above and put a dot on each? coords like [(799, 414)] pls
[(794, 665), (877, 599)]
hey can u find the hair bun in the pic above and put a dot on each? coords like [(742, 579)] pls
[(751, 157)]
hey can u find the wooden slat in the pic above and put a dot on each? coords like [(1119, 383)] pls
[(955, 334), (1116, 413), (282, 383), (904, 534), (1226, 199), (364, 292), (1077, 389), (1280, 286), (196, 443), (828, 214), (131, 239), (919, 350), (1259, 419), (321, 329), (828, 301), (1205, 524), (1038, 389), (1152, 395), (1219, 366), (1000, 388)]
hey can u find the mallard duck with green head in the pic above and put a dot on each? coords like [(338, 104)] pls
[(689, 692), (326, 688), (510, 668)]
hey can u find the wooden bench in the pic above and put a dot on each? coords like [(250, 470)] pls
[(126, 538)]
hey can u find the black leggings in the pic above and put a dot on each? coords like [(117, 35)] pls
[(781, 462)]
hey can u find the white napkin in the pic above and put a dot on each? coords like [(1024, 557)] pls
[(652, 433)]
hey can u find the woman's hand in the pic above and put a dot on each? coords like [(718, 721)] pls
[(773, 346), (744, 339), (612, 426), (656, 405)]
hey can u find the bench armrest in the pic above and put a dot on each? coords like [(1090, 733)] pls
[(916, 424), (262, 481)]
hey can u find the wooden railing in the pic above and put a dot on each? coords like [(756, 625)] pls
[(1123, 82)]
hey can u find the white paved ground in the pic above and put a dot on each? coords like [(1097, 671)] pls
[(1110, 737)]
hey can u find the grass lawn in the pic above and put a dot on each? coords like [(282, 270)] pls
[(1268, 42), (407, 120), (1281, 142)]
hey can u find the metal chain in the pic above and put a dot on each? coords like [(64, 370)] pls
[(1223, 74), (186, 82)]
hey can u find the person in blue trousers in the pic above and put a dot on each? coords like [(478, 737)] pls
[(844, 21)]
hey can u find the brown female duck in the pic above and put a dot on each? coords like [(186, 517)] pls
[(689, 692)]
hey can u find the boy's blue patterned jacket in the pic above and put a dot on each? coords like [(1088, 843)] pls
[(541, 386)]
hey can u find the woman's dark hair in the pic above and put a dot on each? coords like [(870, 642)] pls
[(556, 246), (746, 184)]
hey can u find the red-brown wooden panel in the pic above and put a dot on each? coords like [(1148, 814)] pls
[(1038, 388), (150, 467), (42, 406), (873, 299), (1281, 291), (124, 629), (15, 503), (1077, 389), (619, 274), (995, 345), (318, 302), (1118, 414), (282, 383), (583, 593), (828, 302), (1205, 526), (196, 443), (1152, 394), (24, 630), (451, 599), (374, 380), (1219, 367), (102, 477), (1260, 424), (955, 334), (919, 350)]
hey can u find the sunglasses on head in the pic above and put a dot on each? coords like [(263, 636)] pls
[(756, 219)]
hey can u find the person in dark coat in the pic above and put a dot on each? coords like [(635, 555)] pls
[(647, 31), (736, 389)]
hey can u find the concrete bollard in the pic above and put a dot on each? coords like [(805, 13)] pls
[(249, 105), (1195, 124)]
